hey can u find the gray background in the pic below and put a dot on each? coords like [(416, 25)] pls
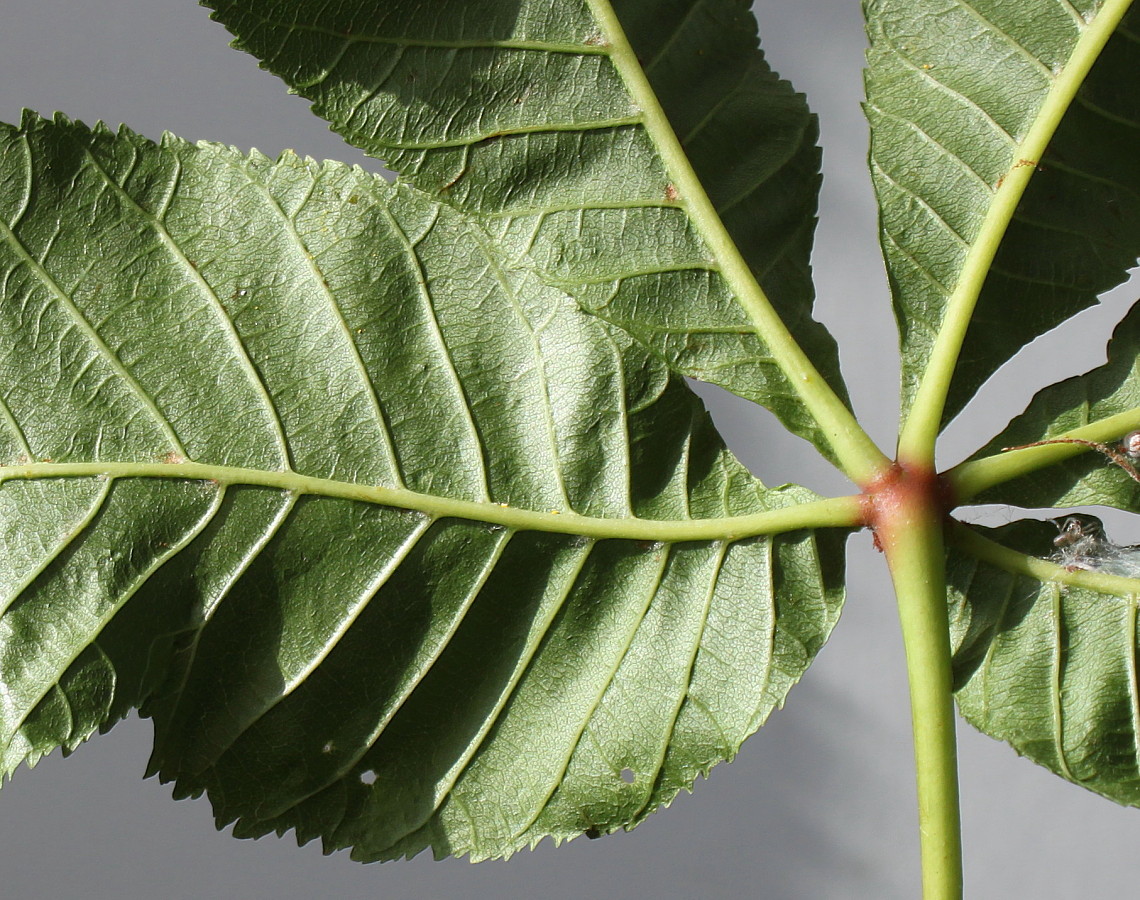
[(819, 804)]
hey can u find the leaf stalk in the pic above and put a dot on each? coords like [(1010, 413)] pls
[(969, 541), (970, 478), (908, 519)]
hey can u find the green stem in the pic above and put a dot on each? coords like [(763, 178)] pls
[(968, 540), (970, 478), (919, 432), (912, 536), (855, 452), (835, 512)]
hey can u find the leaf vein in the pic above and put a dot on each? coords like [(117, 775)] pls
[(691, 663), (927, 138), (543, 46), (539, 359), (361, 602), (926, 75), (671, 41), (93, 337), (1131, 638), (130, 592), (254, 551), (411, 684), (322, 285), (537, 128), (1055, 684), (920, 202), (445, 788), (583, 728), (156, 221), (1009, 39), (464, 404)]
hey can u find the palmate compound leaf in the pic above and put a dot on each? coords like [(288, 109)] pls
[(1046, 659), (398, 547), (473, 101), (946, 133)]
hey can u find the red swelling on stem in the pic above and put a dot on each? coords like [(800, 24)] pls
[(892, 498)]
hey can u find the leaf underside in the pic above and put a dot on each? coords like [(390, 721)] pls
[(515, 114), (1089, 479), (509, 328), (1049, 668), (945, 133), (381, 678)]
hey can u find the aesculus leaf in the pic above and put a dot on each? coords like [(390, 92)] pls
[(1106, 394), (522, 114), (1046, 659), (950, 140), (396, 544)]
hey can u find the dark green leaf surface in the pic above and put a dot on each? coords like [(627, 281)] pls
[(238, 397), (945, 130), (1049, 668), (561, 164), (1089, 479)]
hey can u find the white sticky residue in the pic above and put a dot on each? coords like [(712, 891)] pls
[(1083, 544)]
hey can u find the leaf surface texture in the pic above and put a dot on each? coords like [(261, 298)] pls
[(1051, 668), (517, 114), (308, 467), (947, 131)]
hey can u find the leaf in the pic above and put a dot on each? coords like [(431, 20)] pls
[(1049, 667), (1089, 479), (947, 132), (565, 167), (396, 545)]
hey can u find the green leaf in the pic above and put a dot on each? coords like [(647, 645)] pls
[(397, 545), (566, 168), (947, 133), (1088, 479), (1046, 659)]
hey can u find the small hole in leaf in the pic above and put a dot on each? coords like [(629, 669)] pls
[(368, 777), (327, 748), (628, 775)]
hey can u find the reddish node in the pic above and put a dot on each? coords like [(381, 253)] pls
[(904, 487)]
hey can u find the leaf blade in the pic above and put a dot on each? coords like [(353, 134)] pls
[(241, 595), (1048, 667), (951, 147), (600, 164)]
